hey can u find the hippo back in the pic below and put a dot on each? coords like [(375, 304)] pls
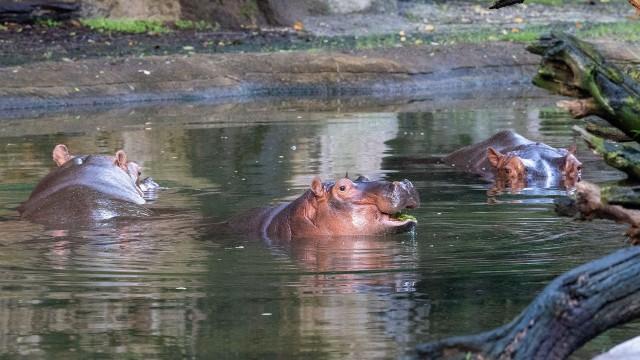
[(473, 158), (85, 189)]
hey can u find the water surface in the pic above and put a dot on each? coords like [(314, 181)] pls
[(168, 289)]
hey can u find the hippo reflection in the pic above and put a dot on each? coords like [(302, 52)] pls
[(344, 207), (86, 189), (512, 160)]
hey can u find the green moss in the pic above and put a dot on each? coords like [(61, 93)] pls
[(125, 25), (623, 157), (633, 72), (249, 10), (200, 25)]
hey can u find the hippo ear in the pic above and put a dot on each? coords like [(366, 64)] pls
[(61, 154), (121, 160), (494, 156), (317, 187)]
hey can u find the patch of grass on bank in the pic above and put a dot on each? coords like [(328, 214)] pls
[(548, 2), (125, 25), (50, 23), (466, 37), (622, 31), (200, 25), (627, 31)]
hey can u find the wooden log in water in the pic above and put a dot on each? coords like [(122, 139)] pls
[(603, 129), (574, 308), (622, 156), (30, 11), (574, 68)]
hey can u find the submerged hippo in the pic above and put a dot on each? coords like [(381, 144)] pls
[(86, 189), (510, 158), (341, 208)]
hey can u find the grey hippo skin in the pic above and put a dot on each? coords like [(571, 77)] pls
[(85, 190), (341, 208), (512, 158)]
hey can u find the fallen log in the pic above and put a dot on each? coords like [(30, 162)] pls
[(571, 310), (572, 67), (622, 156), (601, 128), (30, 11)]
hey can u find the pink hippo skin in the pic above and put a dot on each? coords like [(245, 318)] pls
[(341, 208), (511, 159)]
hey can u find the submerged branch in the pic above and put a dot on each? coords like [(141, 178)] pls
[(574, 308)]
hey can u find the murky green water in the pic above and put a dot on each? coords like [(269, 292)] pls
[(165, 289)]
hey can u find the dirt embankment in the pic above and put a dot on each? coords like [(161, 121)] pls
[(407, 71), (382, 72), (70, 65)]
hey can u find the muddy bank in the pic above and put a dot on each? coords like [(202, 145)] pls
[(407, 71), (382, 72)]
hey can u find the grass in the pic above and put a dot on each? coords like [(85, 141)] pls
[(131, 26), (125, 25), (628, 31), (621, 31), (624, 31), (550, 2), (200, 25), (50, 23)]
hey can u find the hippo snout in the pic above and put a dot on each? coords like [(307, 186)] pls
[(400, 195), (412, 198)]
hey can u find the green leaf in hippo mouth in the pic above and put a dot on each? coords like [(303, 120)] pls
[(404, 217)]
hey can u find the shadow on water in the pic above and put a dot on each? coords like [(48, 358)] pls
[(172, 287)]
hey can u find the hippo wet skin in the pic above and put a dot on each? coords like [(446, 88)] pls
[(341, 208), (510, 158), (85, 190)]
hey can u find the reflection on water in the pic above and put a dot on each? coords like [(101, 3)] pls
[(167, 288)]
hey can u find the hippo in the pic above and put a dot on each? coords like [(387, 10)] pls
[(340, 208), (510, 158), (61, 155), (87, 189)]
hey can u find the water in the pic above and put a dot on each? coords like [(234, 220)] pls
[(168, 289)]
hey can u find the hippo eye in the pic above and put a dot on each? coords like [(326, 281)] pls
[(343, 188)]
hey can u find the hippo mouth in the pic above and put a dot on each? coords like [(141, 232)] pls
[(398, 222), (400, 217)]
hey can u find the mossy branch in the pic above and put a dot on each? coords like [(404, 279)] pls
[(624, 157), (574, 68)]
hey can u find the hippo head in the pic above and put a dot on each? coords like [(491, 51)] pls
[(61, 155), (536, 164), (361, 207)]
